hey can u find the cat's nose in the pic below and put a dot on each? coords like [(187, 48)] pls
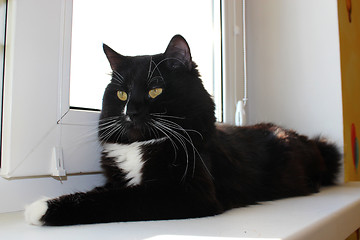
[(132, 115), (133, 111)]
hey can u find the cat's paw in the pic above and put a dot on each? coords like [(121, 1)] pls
[(35, 211)]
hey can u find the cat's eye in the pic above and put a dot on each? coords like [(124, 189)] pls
[(153, 93), (122, 95)]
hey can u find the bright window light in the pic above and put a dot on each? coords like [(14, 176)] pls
[(136, 27)]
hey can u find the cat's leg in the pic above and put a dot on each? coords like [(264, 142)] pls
[(112, 205)]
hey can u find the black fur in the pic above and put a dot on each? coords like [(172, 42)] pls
[(203, 169)]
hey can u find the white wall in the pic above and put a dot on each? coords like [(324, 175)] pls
[(294, 66)]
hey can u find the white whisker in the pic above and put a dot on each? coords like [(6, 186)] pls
[(164, 132), (160, 115), (165, 59), (179, 138), (151, 61), (185, 137)]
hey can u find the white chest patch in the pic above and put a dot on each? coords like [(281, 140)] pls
[(128, 157)]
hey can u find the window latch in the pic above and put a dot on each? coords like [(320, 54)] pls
[(240, 114), (58, 169)]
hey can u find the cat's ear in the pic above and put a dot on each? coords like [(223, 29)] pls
[(178, 53), (115, 59)]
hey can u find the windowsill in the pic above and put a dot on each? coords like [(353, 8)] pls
[(334, 213)]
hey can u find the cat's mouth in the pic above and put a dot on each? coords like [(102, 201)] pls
[(136, 130), (135, 135)]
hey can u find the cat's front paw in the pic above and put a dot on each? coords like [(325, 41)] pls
[(35, 211)]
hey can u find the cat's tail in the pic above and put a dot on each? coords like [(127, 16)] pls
[(332, 158)]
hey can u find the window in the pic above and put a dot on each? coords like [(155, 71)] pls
[(133, 30), (41, 134)]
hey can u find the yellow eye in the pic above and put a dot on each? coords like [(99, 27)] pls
[(153, 93), (122, 95)]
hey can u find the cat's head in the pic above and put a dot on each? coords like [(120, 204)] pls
[(155, 96)]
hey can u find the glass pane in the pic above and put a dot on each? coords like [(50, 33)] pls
[(135, 27)]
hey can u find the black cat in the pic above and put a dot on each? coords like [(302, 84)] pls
[(165, 157)]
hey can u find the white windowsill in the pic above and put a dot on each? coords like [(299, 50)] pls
[(334, 213)]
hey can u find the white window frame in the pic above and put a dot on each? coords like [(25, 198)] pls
[(3, 7), (39, 128)]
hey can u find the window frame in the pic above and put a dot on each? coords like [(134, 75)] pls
[(43, 144), (3, 12), (16, 132)]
